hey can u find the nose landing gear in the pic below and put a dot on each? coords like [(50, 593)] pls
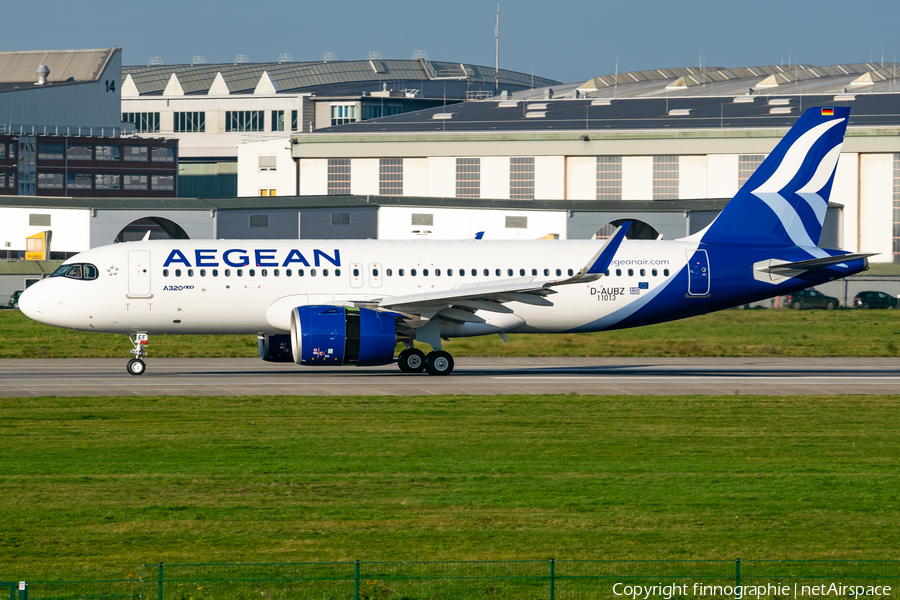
[(136, 365)]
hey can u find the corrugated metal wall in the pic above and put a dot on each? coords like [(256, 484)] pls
[(207, 179)]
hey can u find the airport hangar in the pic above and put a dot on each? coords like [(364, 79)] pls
[(62, 133), (671, 134), (211, 109)]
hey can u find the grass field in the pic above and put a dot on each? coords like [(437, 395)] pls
[(94, 487), (727, 333)]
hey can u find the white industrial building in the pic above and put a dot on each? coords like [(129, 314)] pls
[(213, 108), (680, 134)]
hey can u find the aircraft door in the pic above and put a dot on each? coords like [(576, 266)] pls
[(698, 273), (375, 275), (356, 275), (139, 274)]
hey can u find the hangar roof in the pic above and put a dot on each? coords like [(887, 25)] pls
[(719, 81), (242, 78), (67, 67), (638, 113)]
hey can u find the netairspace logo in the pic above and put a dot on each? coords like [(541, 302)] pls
[(770, 590)]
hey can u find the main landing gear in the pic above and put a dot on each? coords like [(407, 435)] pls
[(136, 365), (413, 360)]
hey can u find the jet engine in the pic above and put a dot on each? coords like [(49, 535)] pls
[(275, 348), (337, 335)]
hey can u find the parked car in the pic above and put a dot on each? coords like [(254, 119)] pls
[(810, 299), (14, 299), (875, 300)]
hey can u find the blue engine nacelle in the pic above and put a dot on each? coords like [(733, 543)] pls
[(337, 335), (275, 348)]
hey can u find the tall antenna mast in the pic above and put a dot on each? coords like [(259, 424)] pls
[(497, 55), (616, 78)]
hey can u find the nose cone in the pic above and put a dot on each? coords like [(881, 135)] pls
[(31, 303)]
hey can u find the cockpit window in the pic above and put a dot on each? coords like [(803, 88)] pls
[(76, 271)]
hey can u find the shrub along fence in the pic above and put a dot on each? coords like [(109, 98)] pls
[(519, 580)]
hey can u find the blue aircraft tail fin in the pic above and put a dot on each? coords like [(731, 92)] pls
[(784, 201)]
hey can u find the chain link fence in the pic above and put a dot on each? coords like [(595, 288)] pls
[(519, 580)]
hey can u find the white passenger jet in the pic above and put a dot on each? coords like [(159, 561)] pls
[(349, 302)]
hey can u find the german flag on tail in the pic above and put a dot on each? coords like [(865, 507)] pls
[(827, 112)]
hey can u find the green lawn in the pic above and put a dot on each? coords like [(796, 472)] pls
[(727, 333), (94, 487)]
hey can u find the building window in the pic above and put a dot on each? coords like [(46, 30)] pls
[(521, 178), (38, 220), (747, 164), (11, 179), (134, 182), (277, 120), (609, 178), (267, 163), (665, 177), (897, 203), (338, 176), (106, 181), (2, 179), (50, 180), (390, 177), (517, 222), (190, 122), (243, 120), (51, 151), (144, 122), (136, 153), (80, 152), (268, 192), (340, 219), (344, 113), (468, 177), (294, 120), (2, 150), (259, 220), (162, 182), (162, 154), (79, 181), (423, 219), (108, 152)]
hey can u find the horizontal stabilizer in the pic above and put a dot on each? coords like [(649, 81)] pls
[(813, 265)]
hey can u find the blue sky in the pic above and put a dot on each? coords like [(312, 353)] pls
[(567, 40)]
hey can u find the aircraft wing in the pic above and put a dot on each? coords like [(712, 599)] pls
[(459, 302)]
